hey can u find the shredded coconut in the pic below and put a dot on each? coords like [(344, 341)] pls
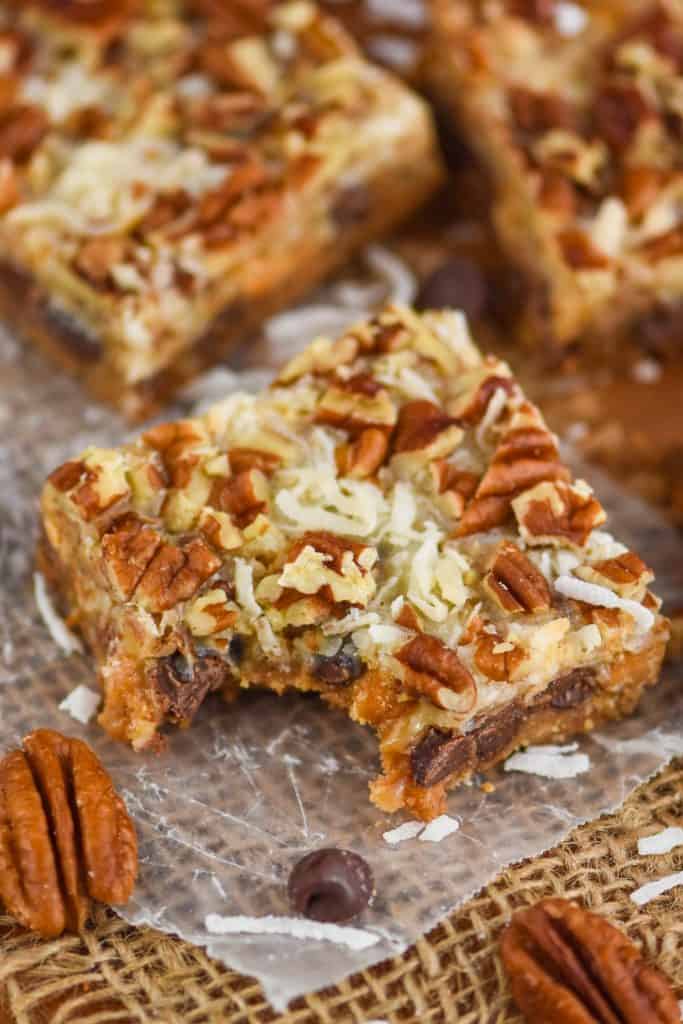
[(549, 761), (646, 371), (570, 19), (408, 830), (591, 593), (652, 890), (354, 938), (81, 704), (439, 829), (244, 586), (57, 628), (401, 281), (661, 842)]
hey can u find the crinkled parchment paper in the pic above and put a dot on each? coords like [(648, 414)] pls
[(237, 799)]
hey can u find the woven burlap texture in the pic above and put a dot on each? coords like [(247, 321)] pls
[(116, 973)]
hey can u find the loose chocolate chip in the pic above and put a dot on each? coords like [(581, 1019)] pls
[(331, 885), (498, 733), (339, 669), (438, 754), (458, 284), (351, 206), (183, 684)]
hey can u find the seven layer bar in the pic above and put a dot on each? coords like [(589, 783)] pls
[(575, 110), (390, 525), (173, 172)]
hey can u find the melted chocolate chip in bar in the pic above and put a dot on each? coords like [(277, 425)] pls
[(182, 684), (440, 754)]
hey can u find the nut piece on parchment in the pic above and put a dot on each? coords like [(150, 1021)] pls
[(569, 966), (65, 835)]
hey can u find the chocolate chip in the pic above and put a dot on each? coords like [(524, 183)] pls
[(459, 284), (439, 754), (571, 690), (182, 684), (498, 733), (237, 648), (331, 885), (339, 669), (352, 205)]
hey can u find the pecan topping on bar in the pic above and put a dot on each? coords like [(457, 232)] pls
[(175, 573), (242, 496), (514, 583), (65, 835), (526, 454), (496, 658), (627, 574), (568, 965), (437, 672), (558, 513), (309, 545), (364, 456)]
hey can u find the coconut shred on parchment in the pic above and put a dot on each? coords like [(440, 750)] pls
[(225, 812)]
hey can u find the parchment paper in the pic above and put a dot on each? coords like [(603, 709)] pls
[(235, 801)]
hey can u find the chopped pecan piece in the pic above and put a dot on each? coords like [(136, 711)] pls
[(527, 454), (9, 189), (65, 835), (97, 257), (640, 186), (537, 112), (22, 129), (626, 574), (355, 411), (619, 110), (65, 477), (364, 456), (557, 193), (558, 513), (514, 582), (569, 966), (497, 659), (242, 496), (426, 430), (579, 252), (437, 672)]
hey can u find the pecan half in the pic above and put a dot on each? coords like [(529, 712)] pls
[(437, 672), (65, 835), (569, 966), (514, 582)]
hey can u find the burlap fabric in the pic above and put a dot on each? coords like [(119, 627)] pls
[(116, 973)]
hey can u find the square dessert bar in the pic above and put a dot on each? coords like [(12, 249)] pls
[(391, 526), (576, 111), (172, 173)]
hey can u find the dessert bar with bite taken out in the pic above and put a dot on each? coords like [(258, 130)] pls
[(389, 525), (171, 173), (575, 111)]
